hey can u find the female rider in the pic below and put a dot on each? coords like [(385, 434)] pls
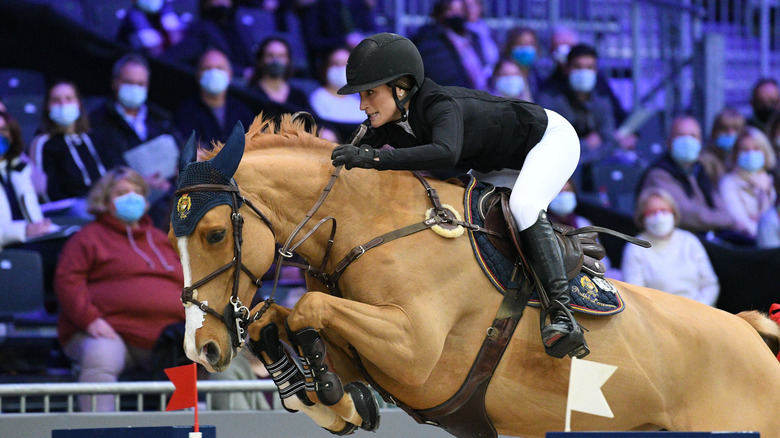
[(506, 142)]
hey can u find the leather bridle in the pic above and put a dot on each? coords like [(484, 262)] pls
[(236, 315)]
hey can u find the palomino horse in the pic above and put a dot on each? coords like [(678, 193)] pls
[(416, 309)]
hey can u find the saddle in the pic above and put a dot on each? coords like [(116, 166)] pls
[(581, 251)]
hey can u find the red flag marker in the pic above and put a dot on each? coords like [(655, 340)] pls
[(185, 379)]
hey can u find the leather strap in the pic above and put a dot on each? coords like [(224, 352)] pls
[(464, 415)]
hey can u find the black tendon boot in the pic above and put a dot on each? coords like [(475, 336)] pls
[(311, 350), (286, 375), (562, 335)]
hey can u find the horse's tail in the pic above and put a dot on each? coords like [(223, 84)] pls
[(768, 329)]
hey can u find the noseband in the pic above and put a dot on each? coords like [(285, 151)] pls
[(236, 315)]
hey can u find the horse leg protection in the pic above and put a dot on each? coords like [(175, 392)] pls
[(562, 335), (288, 378), (365, 404), (311, 350)]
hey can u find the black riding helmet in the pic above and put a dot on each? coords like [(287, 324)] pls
[(382, 59)]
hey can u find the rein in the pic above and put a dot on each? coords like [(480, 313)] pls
[(236, 316)]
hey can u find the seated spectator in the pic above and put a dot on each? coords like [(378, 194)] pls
[(748, 190), (327, 24), (728, 124), (522, 46), (342, 112), (212, 113), (591, 113), (71, 159), (679, 173), (562, 40), (273, 69), (118, 282), (217, 29), (765, 101), (561, 211), (151, 27), (20, 214), (677, 262), (510, 80), (129, 120), (450, 52), (768, 235), (476, 24)]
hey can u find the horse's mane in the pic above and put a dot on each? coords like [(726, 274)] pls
[(264, 133)]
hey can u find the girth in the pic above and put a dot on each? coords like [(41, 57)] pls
[(464, 414)]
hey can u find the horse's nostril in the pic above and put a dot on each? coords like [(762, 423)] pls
[(211, 350)]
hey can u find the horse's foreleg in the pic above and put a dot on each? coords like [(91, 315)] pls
[(403, 347), (341, 416)]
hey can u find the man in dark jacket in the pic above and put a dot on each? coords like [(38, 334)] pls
[(451, 54), (128, 120), (212, 113)]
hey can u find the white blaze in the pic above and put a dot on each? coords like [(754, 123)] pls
[(194, 317)]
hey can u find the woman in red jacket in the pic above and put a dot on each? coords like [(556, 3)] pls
[(118, 282)]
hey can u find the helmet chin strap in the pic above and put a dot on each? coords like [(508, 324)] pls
[(401, 103)]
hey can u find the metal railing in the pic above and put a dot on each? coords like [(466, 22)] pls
[(25, 398), (21, 395)]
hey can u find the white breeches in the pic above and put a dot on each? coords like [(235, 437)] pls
[(547, 167)]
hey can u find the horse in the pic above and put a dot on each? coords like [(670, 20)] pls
[(415, 310)]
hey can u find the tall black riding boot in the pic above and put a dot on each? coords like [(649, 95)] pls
[(562, 335)]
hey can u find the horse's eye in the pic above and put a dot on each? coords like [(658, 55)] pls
[(216, 236)]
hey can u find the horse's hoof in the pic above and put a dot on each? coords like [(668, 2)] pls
[(348, 429), (365, 404)]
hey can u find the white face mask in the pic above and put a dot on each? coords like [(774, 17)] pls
[(660, 224), (563, 204), (510, 86), (132, 95), (337, 76), (214, 81), (65, 114)]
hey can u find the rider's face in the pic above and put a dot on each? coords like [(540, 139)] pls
[(379, 105)]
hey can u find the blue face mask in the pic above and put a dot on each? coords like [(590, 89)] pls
[(5, 144), (582, 80), (726, 141), (130, 207), (751, 161), (524, 55), (563, 204), (685, 149), (150, 6), (132, 95), (214, 81)]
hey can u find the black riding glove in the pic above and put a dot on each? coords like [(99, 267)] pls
[(351, 156)]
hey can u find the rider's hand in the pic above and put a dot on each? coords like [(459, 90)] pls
[(351, 156)]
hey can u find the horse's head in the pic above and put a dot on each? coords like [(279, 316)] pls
[(220, 274)]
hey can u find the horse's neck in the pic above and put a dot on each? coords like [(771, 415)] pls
[(365, 204)]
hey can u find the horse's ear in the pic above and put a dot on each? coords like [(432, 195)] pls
[(189, 152), (228, 158)]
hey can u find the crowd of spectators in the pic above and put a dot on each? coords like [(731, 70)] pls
[(723, 185)]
